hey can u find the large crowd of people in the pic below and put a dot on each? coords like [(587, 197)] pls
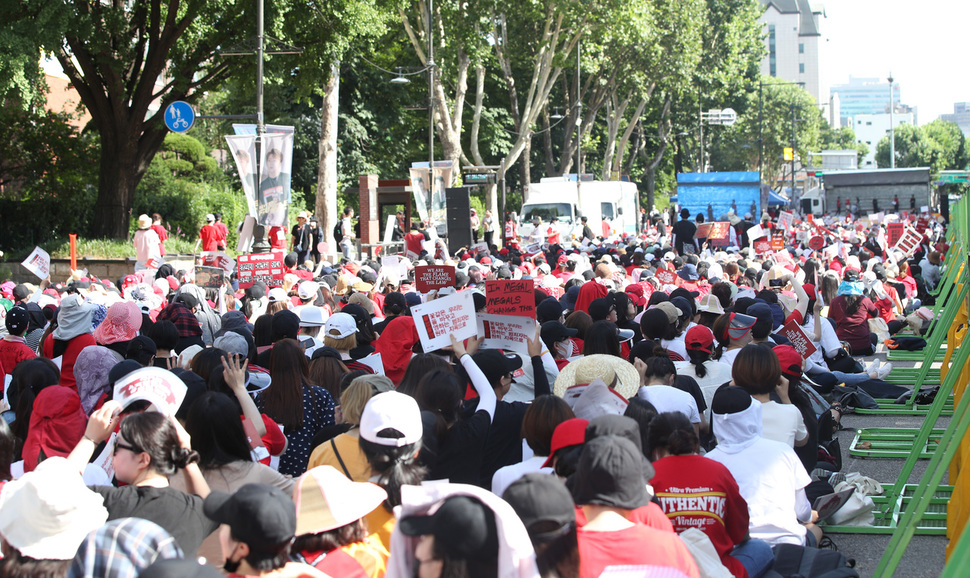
[(661, 411)]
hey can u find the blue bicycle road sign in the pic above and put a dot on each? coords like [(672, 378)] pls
[(179, 116)]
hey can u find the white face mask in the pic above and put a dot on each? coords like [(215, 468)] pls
[(565, 348)]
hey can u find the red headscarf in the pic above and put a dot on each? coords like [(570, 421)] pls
[(589, 291), (56, 425), (395, 344)]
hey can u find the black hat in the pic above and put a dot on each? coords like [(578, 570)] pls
[(463, 526), (554, 332), (120, 370), (325, 351), (17, 320), (285, 325), (731, 399), (179, 568), (685, 307), (549, 310), (141, 349), (494, 364), (760, 311), (261, 516), (190, 301), (599, 309), (479, 300), (610, 473), (20, 292), (395, 303), (543, 504)]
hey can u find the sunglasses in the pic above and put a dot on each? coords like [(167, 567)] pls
[(130, 448)]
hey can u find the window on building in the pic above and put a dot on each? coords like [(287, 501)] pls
[(772, 65), (801, 67), (868, 123), (801, 48)]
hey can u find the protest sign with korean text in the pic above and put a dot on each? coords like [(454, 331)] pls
[(428, 278), (665, 277), (762, 245), (799, 340), (38, 263), (894, 232), (908, 242), (510, 297), (160, 387), (785, 220), (209, 277), (265, 267), (506, 332), (436, 321)]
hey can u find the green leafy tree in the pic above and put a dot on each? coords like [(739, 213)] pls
[(939, 145), (843, 139)]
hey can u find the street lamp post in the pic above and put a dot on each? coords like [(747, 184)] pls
[(892, 128)]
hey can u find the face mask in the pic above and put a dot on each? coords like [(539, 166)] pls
[(565, 348)]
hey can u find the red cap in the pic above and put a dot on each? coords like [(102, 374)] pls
[(700, 338), (810, 290), (571, 432), (635, 291), (486, 261), (563, 258), (791, 361)]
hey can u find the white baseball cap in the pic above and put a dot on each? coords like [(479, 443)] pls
[(340, 326), (312, 317), (308, 290), (391, 410)]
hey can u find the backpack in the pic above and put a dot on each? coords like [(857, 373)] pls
[(338, 234), (801, 562)]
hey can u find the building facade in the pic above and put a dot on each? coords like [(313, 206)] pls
[(961, 116), (864, 96), (792, 35), (871, 128)]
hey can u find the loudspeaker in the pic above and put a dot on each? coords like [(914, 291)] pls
[(458, 214)]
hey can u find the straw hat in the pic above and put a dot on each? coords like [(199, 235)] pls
[(325, 500), (605, 367)]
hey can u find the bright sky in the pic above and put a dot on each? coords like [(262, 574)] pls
[(922, 43)]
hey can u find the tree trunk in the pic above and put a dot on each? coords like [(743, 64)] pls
[(117, 181), (547, 144), (525, 167), (325, 206)]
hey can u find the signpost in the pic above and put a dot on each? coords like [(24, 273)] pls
[(179, 116)]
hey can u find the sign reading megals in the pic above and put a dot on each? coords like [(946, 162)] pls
[(38, 263), (436, 321), (799, 340), (506, 332), (510, 297), (265, 267), (431, 277), (160, 387)]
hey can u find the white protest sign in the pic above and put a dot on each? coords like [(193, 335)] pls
[(374, 362), (908, 242), (160, 387), (246, 234), (391, 268), (38, 263), (436, 321), (785, 220), (756, 232), (105, 459), (479, 247), (506, 332), (594, 400)]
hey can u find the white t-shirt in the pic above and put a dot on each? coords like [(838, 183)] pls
[(667, 398), (770, 478), (717, 375), (727, 357), (676, 345), (782, 423), (508, 475)]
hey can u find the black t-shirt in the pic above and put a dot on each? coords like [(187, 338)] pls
[(684, 232), (461, 450), (180, 514), (503, 445)]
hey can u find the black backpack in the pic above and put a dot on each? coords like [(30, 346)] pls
[(800, 562)]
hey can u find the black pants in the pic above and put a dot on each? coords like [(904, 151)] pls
[(488, 237)]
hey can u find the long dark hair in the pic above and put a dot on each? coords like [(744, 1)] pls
[(326, 372), (16, 565), (852, 304), (395, 467), (154, 434), (28, 379), (440, 392), (216, 430), (697, 359), (420, 365), (602, 338), (283, 399), (673, 432), (330, 540)]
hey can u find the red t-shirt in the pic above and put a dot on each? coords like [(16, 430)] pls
[(74, 347), (886, 305), (412, 242), (13, 352), (649, 549), (853, 328), (210, 238), (162, 236), (697, 492), (277, 239), (650, 515)]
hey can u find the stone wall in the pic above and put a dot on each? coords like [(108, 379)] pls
[(111, 269)]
